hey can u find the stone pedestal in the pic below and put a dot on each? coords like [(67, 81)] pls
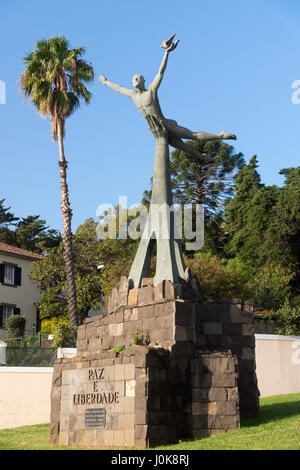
[(162, 365)]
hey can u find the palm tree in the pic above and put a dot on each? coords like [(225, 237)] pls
[(54, 80)]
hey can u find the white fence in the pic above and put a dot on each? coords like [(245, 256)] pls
[(25, 393), (24, 396), (277, 364)]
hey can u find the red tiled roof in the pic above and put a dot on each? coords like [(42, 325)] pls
[(19, 252)]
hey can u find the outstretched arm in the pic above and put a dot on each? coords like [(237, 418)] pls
[(169, 46), (158, 79), (116, 87)]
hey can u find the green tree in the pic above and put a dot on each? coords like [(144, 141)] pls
[(7, 220), (217, 279), (286, 222), (29, 233), (247, 184), (264, 230), (32, 234), (270, 286), (207, 183), (6, 217), (54, 79), (117, 254), (51, 277), (263, 221)]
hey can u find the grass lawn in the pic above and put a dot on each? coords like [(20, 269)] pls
[(277, 428)]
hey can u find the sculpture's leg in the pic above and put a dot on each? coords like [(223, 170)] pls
[(169, 260), (168, 251), (205, 136), (189, 149), (170, 264), (179, 258), (160, 227), (183, 133), (141, 265)]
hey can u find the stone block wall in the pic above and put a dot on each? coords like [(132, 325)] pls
[(157, 314), (152, 323), (215, 396), (146, 397), (192, 376), (227, 325), (183, 326), (144, 392), (115, 383)]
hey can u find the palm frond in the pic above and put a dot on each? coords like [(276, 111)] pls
[(54, 79)]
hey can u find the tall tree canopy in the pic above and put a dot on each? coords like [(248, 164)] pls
[(54, 80), (263, 222), (50, 275), (7, 220), (207, 183), (30, 233)]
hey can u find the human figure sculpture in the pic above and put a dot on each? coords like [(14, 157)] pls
[(170, 263), (146, 101)]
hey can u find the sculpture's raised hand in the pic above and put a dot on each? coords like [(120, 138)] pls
[(102, 79), (169, 45)]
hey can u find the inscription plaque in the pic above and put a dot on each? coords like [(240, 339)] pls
[(95, 418)]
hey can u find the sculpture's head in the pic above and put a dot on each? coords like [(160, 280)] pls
[(138, 81)]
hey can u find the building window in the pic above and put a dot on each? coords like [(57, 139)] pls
[(10, 274), (7, 311)]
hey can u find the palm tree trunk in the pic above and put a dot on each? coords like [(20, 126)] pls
[(200, 178), (67, 233)]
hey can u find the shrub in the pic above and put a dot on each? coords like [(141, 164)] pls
[(217, 279), (65, 336), (48, 325), (287, 320), (137, 338), (271, 286), (15, 326)]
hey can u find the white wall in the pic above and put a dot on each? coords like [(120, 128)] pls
[(24, 396), (277, 364)]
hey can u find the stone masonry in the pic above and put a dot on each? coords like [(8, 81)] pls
[(215, 398), (177, 318), (185, 369), (150, 398)]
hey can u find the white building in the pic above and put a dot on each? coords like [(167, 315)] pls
[(18, 293)]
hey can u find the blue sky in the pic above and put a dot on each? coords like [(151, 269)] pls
[(233, 70)]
